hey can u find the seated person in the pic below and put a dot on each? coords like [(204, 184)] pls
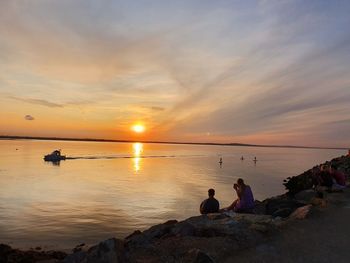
[(210, 205), (339, 179), (326, 177), (245, 201)]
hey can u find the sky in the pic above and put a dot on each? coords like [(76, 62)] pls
[(260, 72)]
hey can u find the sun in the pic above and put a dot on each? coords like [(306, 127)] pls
[(138, 128)]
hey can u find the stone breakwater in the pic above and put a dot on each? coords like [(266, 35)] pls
[(206, 238)]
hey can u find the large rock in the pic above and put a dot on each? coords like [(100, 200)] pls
[(281, 206), (197, 256), (301, 212), (305, 195), (108, 251)]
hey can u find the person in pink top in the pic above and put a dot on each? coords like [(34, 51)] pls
[(339, 178)]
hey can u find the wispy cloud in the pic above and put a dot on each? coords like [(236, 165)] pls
[(38, 102)]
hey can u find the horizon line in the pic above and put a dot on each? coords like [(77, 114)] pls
[(13, 137)]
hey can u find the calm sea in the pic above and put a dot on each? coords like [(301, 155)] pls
[(111, 189)]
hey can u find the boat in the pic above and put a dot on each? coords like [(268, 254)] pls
[(55, 156)]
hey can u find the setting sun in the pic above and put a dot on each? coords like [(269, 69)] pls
[(138, 128)]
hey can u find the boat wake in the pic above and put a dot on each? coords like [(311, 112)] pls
[(128, 157)]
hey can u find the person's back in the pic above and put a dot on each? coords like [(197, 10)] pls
[(339, 177), (246, 202), (210, 205)]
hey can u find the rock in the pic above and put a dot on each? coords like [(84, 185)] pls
[(253, 218), (108, 251), (259, 207), (183, 229), (76, 257), (215, 216), (80, 247), (301, 212), (133, 234), (321, 202), (285, 204), (197, 256), (5, 250), (305, 195), (160, 230), (282, 212), (299, 183)]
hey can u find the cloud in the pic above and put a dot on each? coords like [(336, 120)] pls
[(29, 118), (38, 102)]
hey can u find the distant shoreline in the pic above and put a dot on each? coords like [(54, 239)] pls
[(5, 137)]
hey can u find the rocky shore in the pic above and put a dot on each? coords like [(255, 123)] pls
[(228, 237)]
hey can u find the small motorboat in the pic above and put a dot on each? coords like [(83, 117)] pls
[(55, 156)]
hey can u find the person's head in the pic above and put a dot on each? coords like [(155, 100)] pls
[(240, 182), (211, 192), (324, 168), (333, 167)]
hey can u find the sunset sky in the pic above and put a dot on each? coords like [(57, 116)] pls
[(263, 72)]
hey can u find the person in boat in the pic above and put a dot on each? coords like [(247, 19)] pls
[(56, 153), (210, 205), (245, 199)]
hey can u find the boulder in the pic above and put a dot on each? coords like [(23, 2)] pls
[(282, 212), (301, 212), (183, 229), (108, 251), (197, 256), (259, 207), (305, 195), (281, 206), (160, 230)]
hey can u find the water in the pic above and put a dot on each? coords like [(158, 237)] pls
[(112, 189)]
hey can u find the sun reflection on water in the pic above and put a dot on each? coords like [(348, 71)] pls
[(137, 151)]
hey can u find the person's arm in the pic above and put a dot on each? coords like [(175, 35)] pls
[(239, 192), (232, 206), (201, 208)]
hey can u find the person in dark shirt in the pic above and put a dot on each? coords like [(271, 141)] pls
[(210, 205)]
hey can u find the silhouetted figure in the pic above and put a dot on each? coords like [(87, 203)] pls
[(242, 158), (338, 178), (210, 205), (220, 162), (255, 160), (245, 201)]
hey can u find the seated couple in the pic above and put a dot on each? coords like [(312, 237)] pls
[(243, 204), (329, 176)]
